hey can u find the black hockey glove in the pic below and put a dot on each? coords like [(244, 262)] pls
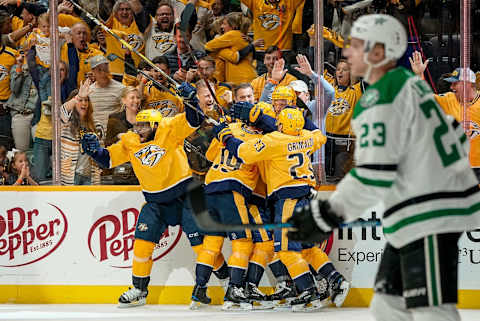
[(314, 222)]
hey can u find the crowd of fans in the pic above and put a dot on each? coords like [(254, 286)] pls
[(242, 47)]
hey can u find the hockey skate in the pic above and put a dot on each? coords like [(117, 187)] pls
[(285, 292), (339, 289), (199, 297), (132, 298), (308, 301), (257, 298), (235, 299)]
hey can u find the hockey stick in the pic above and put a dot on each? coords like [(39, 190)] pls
[(126, 44), (206, 223), (113, 57)]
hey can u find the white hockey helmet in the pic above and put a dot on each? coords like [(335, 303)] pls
[(384, 29)]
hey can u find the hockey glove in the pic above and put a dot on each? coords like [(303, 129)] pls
[(90, 144), (313, 222), (241, 110), (222, 132), (187, 91), (254, 115)]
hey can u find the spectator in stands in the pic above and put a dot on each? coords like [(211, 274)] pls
[(244, 92), (3, 165), (159, 37), (22, 103), (20, 170), (105, 93), (9, 37), (77, 54), (118, 124), (98, 39), (7, 61), (340, 138), (128, 18), (274, 21), (206, 70), (235, 27), (167, 102), (272, 54), (76, 116), (124, 120), (180, 59)]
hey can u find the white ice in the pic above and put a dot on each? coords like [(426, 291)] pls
[(108, 312)]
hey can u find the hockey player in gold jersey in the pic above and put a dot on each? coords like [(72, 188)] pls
[(228, 186), (289, 176), (154, 145)]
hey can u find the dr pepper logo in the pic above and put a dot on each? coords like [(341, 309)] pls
[(30, 235), (111, 238)]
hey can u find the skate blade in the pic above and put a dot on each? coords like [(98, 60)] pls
[(195, 305), (132, 304), (232, 306), (309, 307), (262, 305), (340, 298), (283, 304)]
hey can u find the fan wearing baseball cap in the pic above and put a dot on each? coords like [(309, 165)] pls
[(463, 93)]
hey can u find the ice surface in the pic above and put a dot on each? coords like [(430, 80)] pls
[(108, 312)]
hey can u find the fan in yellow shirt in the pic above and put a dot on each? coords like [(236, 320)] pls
[(235, 25), (157, 98), (271, 56), (340, 142), (273, 21)]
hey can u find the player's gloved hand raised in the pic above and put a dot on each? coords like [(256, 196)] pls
[(254, 115), (222, 132), (90, 144), (187, 91), (313, 222), (241, 110)]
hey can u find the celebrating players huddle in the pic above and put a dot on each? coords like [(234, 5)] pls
[(261, 172)]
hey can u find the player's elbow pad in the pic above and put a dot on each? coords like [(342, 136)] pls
[(102, 157)]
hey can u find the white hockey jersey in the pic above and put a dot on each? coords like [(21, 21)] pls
[(409, 155)]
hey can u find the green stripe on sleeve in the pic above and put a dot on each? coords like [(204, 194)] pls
[(433, 276), (430, 215), (372, 182), (463, 138)]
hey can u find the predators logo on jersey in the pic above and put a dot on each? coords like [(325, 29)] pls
[(339, 107), (135, 41), (166, 107), (259, 145), (150, 155), (3, 72), (163, 42), (270, 21), (473, 129)]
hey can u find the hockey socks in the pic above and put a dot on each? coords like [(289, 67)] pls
[(298, 269), (142, 263), (212, 246), (262, 254), (278, 269)]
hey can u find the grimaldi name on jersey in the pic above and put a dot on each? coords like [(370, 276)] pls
[(303, 144)]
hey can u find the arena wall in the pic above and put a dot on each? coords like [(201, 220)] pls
[(74, 245)]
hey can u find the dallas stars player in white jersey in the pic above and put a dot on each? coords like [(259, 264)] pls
[(412, 158)]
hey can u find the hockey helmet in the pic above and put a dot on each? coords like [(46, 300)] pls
[(292, 121), (383, 29), (151, 116), (285, 92)]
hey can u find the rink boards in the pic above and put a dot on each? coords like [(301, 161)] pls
[(74, 245)]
